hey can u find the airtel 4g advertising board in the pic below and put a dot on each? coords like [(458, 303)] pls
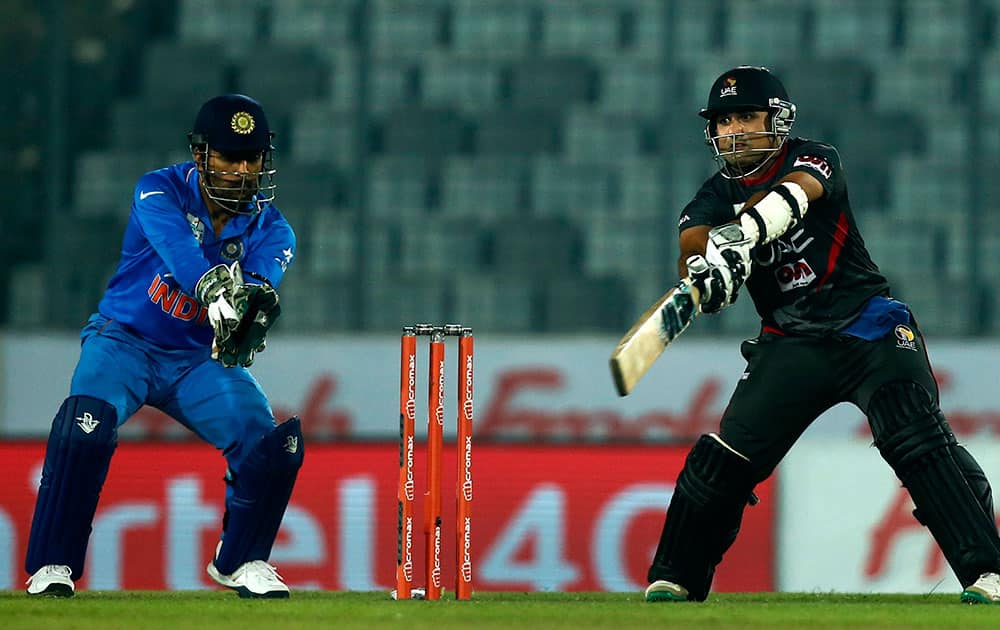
[(544, 518)]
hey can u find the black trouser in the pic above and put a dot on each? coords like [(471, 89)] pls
[(790, 381)]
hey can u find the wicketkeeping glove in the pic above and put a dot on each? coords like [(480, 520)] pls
[(217, 290), (250, 336)]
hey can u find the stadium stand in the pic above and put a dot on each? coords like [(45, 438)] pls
[(562, 133)]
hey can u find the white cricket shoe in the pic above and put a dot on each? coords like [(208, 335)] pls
[(52, 580), (985, 590), (664, 591), (251, 579)]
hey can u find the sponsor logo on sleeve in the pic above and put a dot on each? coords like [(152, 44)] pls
[(197, 227), (285, 259), (817, 163)]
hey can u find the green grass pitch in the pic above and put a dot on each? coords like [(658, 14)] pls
[(315, 609)]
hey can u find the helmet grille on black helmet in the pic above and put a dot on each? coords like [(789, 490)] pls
[(743, 89)]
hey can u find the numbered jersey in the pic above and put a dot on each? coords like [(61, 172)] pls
[(817, 277)]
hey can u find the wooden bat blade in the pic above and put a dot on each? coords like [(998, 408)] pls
[(648, 337)]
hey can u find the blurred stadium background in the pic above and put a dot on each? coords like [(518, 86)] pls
[(515, 163), (518, 166)]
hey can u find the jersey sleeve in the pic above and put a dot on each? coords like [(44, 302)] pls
[(707, 208), (156, 207), (272, 252), (822, 161)]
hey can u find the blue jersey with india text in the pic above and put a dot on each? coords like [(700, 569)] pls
[(170, 243)]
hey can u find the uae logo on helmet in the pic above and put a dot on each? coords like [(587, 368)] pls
[(242, 123), (728, 87)]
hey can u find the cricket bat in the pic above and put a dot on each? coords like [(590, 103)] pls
[(650, 335)]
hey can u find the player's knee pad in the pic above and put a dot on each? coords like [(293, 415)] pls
[(950, 492), (81, 442), (262, 488), (907, 425), (704, 515)]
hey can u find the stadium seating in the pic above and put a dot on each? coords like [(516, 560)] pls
[(552, 82), (551, 246), (468, 84), (497, 301), (495, 29), (519, 132), (573, 190), (580, 304), (105, 180), (856, 29), (430, 133), (486, 187), (775, 25), (231, 21), (321, 24), (177, 74), (439, 245), (563, 133), (77, 272), (406, 28), (320, 133), (594, 137), (282, 77), (400, 186)]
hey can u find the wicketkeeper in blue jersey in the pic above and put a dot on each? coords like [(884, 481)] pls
[(189, 305)]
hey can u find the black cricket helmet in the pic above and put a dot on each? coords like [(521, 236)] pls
[(236, 126), (747, 89)]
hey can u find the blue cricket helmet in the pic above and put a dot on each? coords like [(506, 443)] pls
[(232, 123), (236, 126)]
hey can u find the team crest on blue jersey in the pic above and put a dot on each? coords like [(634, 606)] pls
[(232, 250), (197, 227)]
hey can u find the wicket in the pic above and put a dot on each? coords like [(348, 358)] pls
[(435, 428)]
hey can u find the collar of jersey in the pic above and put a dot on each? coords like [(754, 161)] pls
[(752, 180)]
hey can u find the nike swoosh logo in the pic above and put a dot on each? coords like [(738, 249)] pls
[(145, 194)]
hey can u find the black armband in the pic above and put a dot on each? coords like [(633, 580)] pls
[(754, 214)]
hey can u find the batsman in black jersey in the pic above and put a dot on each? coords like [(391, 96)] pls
[(776, 217)]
